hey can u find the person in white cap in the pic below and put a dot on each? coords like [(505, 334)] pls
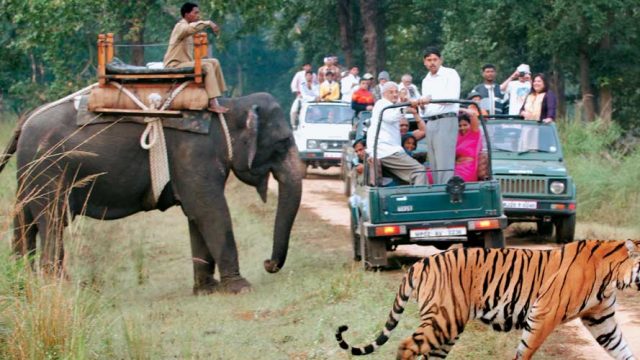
[(517, 87)]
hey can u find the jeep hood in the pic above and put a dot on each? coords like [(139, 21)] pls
[(528, 167)]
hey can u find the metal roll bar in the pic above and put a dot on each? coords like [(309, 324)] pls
[(442, 101)]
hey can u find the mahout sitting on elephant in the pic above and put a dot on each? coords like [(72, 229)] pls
[(54, 154)]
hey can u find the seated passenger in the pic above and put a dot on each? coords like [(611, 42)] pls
[(468, 145), (389, 147), (475, 97), (362, 99), (406, 85), (309, 90), (358, 161), (418, 134), (409, 144), (330, 89)]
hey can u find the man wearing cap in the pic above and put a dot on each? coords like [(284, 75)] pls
[(329, 89), (349, 83), (383, 77), (490, 91), (517, 87), (389, 147), (442, 119)]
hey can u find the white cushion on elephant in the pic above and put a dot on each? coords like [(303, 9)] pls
[(155, 65)]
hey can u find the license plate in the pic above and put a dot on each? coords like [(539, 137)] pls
[(332, 155), (438, 232), (519, 204)]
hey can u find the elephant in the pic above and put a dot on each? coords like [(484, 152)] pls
[(101, 171)]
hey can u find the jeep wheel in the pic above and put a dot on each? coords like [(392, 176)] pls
[(494, 239), (355, 240), (565, 229), (545, 228), (303, 168), (373, 252)]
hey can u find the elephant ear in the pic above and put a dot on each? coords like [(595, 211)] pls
[(251, 134)]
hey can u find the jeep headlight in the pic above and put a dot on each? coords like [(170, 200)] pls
[(557, 187), (312, 144)]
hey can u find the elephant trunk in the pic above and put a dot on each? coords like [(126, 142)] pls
[(289, 178)]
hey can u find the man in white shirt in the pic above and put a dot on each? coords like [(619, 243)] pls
[(517, 87), (295, 90), (442, 119), (389, 150), (349, 83), (309, 89)]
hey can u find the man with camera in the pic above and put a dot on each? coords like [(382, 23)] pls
[(517, 87)]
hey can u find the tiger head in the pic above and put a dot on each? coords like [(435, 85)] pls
[(633, 247)]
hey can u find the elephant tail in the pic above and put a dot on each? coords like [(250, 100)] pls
[(13, 143)]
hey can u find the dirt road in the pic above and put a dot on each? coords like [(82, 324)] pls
[(323, 194)]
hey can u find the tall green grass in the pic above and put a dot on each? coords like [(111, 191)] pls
[(606, 172)]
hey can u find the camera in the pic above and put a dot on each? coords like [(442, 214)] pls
[(521, 73)]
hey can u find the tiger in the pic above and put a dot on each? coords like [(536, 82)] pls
[(532, 290)]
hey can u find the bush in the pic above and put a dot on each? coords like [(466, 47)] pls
[(606, 173)]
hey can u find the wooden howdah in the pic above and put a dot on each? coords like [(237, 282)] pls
[(193, 97)]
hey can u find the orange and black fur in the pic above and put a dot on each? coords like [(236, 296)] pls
[(532, 290)]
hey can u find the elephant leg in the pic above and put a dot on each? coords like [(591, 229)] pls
[(214, 222), (24, 234), (204, 264)]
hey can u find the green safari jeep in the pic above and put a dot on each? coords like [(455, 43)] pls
[(386, 213), (536, 187)]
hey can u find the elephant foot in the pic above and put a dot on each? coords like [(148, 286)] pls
[(236, 285), (209, 287)]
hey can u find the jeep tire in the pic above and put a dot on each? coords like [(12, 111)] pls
[(355, 240), (565, 229), (545, 228), (494, 239)]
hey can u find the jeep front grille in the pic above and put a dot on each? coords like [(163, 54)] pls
[(523, 186)]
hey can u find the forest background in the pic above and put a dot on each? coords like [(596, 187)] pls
[(588, 48)]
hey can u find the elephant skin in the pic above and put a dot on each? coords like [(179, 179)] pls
[(102, 172)]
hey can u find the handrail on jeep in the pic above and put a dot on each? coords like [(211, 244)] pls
[(442, 101)]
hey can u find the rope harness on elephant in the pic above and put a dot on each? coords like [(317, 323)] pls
[(71, 97), (152, 138)]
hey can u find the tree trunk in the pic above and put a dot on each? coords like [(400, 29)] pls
[(239, 72), (588, 104), (136, 34), (373, 38), (345, 19), (557, 86), (606, 96)]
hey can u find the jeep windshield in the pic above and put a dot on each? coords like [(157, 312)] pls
[(522, 137), (327, 114)]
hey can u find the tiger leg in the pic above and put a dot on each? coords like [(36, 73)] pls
[(540, 324), (605, 330), (429, 342)]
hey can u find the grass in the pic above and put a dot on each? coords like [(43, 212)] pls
[(129, 293)]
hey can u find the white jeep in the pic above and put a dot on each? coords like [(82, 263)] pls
[(321, 133)]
